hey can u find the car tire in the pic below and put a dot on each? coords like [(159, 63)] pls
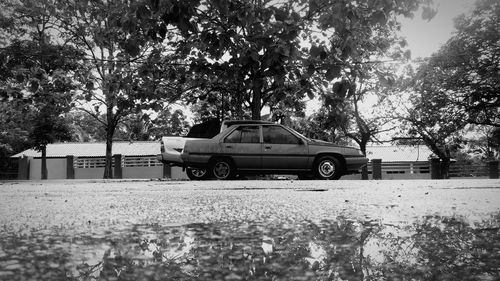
[(223, 169), (328, 168), (197, 174)]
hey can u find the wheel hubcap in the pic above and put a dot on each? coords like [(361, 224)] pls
[(326, 169), (199, 173), (221, 170)]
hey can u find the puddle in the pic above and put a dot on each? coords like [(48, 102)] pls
[(432, 248)]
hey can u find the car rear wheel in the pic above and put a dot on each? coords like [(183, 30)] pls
[(197, 174), (328, 168), (223, 169)]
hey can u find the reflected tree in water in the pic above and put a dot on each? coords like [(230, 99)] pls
[(445, 248), (433, 248)]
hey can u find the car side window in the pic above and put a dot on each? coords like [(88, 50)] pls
[(276, 134), (244, 134)]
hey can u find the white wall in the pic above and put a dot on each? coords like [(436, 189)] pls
[(56, 168), (178, 174), (142, 172), (89, 173)]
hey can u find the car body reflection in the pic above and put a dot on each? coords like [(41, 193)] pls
[(432, 248)]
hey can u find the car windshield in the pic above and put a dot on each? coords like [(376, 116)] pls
[(299, 134)]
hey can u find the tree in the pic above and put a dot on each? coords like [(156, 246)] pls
[(469, 63), (318, 126), (37, 71), (169, 123), (141, 127), (35, 75), (349, 44), (427, 113), (248, 52), (485, 142), (123, 46), (85, 128), (14, 129), (456, 86)]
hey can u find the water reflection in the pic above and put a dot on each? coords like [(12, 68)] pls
[(433, 248)]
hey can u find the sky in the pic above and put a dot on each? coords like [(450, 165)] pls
[(425, 37)]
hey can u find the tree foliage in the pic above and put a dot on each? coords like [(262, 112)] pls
[(456, 86), (248, 51), (141, 127), (14, 130), (467, 67), (37, 72), (350, 41), (122, 43)]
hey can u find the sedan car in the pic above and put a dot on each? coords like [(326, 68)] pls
[(269, 148)]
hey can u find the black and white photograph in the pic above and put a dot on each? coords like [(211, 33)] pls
[(301, 140)]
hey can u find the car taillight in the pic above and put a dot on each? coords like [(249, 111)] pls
[(162, 147)]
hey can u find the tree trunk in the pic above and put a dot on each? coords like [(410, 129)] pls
[(445, 168), (239, 99), (256, 99), (108, 166), (44, 171), (362, 147), (110, 129)]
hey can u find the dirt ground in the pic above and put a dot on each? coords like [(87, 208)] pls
[(77, 203)]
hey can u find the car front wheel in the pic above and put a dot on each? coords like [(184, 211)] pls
[(197, 174), (328, 168), (223, 169)]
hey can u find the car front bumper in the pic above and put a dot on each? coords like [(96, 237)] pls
[(355, 163)]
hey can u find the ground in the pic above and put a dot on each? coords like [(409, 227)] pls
[(78, 202), (82, 216)]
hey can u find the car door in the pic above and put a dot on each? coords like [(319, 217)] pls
[(282, 150), (243, 145)]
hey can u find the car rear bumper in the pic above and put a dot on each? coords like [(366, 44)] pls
[(353, 164), (171, 157), (196, 160)]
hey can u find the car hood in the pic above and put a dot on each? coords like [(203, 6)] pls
[(322, 143), (348, 150)]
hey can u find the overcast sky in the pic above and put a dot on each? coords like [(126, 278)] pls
[(425, 37)]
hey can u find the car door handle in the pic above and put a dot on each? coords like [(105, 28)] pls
[(229, 146), (268, 147)]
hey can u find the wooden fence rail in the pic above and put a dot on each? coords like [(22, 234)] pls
[(468, 171), (402, 170)]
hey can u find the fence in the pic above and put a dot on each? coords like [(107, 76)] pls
[(397, 170), (71, 167), (427, 170), (141, 161), (469, 171), (90, 162), (9, 168)]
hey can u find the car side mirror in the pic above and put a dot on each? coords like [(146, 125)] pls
[(300, 142)]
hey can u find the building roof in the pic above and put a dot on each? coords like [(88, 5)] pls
[(96, 149), (399, 153)]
